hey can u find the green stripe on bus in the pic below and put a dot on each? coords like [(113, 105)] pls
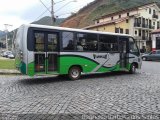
[(67, 61), (105, 69), (31, 69), (23, 68)]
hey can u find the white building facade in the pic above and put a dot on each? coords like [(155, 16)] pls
[(140, 22)]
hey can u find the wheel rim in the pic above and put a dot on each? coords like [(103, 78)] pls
[(75, 73)]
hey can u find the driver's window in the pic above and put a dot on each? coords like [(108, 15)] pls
[(133, 47)]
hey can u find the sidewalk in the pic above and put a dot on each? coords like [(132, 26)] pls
[(9, 71)]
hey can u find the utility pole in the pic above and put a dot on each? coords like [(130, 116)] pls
[(6, 31), (53, 18), (13, 38), (52, 12)]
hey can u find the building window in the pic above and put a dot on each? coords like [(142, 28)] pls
[(111, 18), (127, 21), (127, 31), (119, 16), (146, 21), (97, 21), (147, 33), (149, 10), (135, 32), (104, 28), (153, 23), (140, 33), (121, 30), (154, 12), (158, 25), (116, 30), (139, 20), (127, 14)]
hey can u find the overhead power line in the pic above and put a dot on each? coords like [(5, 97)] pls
[(45, 6), (51, 9)]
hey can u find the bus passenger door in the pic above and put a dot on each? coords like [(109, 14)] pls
[(51, 65), (52, 53), (46, 52), (123, 46), (39, 62)]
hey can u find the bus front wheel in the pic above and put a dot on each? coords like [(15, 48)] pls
[(132, 69), (74, 73)]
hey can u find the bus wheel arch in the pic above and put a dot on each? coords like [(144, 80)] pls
[(133, 67), (74, 72)]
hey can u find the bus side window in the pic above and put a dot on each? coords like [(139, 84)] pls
[(52, 42), (87, 42), (108, 43), (81, 42), (92, 42), (39, 41), (79, 47), (67, 41)]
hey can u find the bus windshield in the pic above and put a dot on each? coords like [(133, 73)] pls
[(133, 47)]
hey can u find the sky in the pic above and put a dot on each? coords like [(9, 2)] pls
[(18, 12)]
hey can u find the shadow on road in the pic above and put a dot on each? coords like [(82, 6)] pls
[(55, 79)]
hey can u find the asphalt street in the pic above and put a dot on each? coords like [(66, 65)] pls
[(91, 97)]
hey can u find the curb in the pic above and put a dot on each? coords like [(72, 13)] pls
[(9, 72)]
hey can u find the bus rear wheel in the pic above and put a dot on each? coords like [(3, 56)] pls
[(74, 73), (132, 69)]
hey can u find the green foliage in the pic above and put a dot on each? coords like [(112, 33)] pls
[(7, 64)]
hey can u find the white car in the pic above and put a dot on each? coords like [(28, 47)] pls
[(10, 55), (4, 54)]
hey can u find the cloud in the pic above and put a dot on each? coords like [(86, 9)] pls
[(12, 20), (16, 5), (17, 12)]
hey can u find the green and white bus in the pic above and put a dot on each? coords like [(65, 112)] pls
[(48, 50)]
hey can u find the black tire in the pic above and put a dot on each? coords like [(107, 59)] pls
[(74, 73), (144, 58), (132, 69)]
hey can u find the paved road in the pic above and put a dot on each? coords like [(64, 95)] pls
[(57, 98), (151, 67)]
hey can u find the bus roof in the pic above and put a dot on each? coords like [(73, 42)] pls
[(72, 29)]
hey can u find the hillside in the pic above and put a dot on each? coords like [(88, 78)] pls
[(98, 8), (47, 21)]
